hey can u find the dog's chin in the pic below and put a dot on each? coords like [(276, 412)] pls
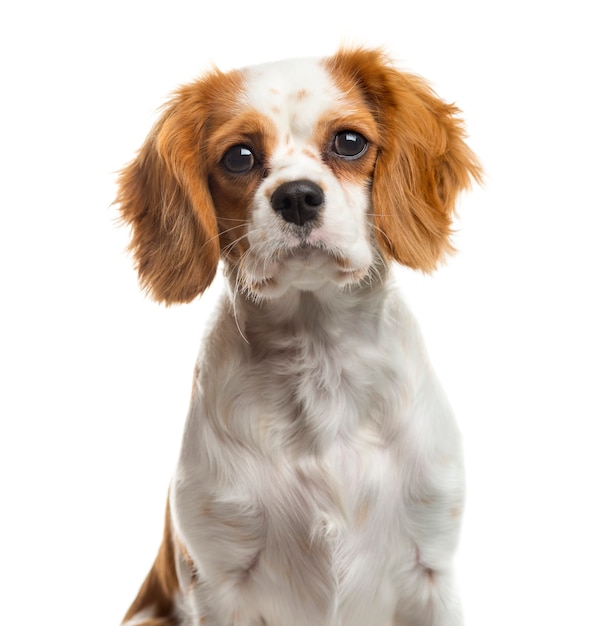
[(303, 268)]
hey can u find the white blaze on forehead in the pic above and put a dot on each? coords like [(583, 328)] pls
[(294, 93)]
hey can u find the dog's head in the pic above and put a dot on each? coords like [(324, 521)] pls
[(295, 173)]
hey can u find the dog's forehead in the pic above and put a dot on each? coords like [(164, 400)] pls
[(293, 91)]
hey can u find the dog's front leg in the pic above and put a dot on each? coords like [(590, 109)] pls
[(432, 506)]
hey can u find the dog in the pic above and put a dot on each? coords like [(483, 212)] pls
[(320, 479)]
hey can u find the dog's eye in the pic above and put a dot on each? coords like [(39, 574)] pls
[(349, 144), (238, 160)]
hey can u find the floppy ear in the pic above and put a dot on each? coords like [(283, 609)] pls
[(422, 161), (164, 196)]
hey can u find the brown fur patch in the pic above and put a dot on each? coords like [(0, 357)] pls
[(164, 194), (160, 587), (233, 194), (422, 161), (360, 120)]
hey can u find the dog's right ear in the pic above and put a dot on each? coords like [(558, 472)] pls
[(164, 196)]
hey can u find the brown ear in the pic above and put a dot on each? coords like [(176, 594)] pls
[(422, 162), (164, 196)]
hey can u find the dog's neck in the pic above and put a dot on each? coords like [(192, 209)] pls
[(316, 351), (328, 306)]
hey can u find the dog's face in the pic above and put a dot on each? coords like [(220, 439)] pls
[(294, 165), (296, 174)]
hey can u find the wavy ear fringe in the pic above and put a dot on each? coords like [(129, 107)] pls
[(164, 196), (422, 162)]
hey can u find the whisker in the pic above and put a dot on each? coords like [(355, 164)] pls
[(236, 295), (230, 246), (233, 219), (223, 232), (380, 230)]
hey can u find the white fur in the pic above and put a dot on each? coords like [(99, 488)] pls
[(272, 90), (320, 476)]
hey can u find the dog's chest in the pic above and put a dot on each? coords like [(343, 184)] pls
[(291, 470), (332, 519), (307, 535)]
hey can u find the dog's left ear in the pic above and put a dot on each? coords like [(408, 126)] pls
[(422, 162)]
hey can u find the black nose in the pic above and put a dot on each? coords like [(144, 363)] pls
[(298, 201)]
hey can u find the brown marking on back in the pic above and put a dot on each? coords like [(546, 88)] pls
[(160, 587)]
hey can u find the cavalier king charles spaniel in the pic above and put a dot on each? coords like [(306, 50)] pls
[(320, 477)]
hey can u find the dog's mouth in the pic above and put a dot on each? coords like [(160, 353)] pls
[(305, 267)]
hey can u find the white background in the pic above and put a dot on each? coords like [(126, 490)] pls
[(95, 378)]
